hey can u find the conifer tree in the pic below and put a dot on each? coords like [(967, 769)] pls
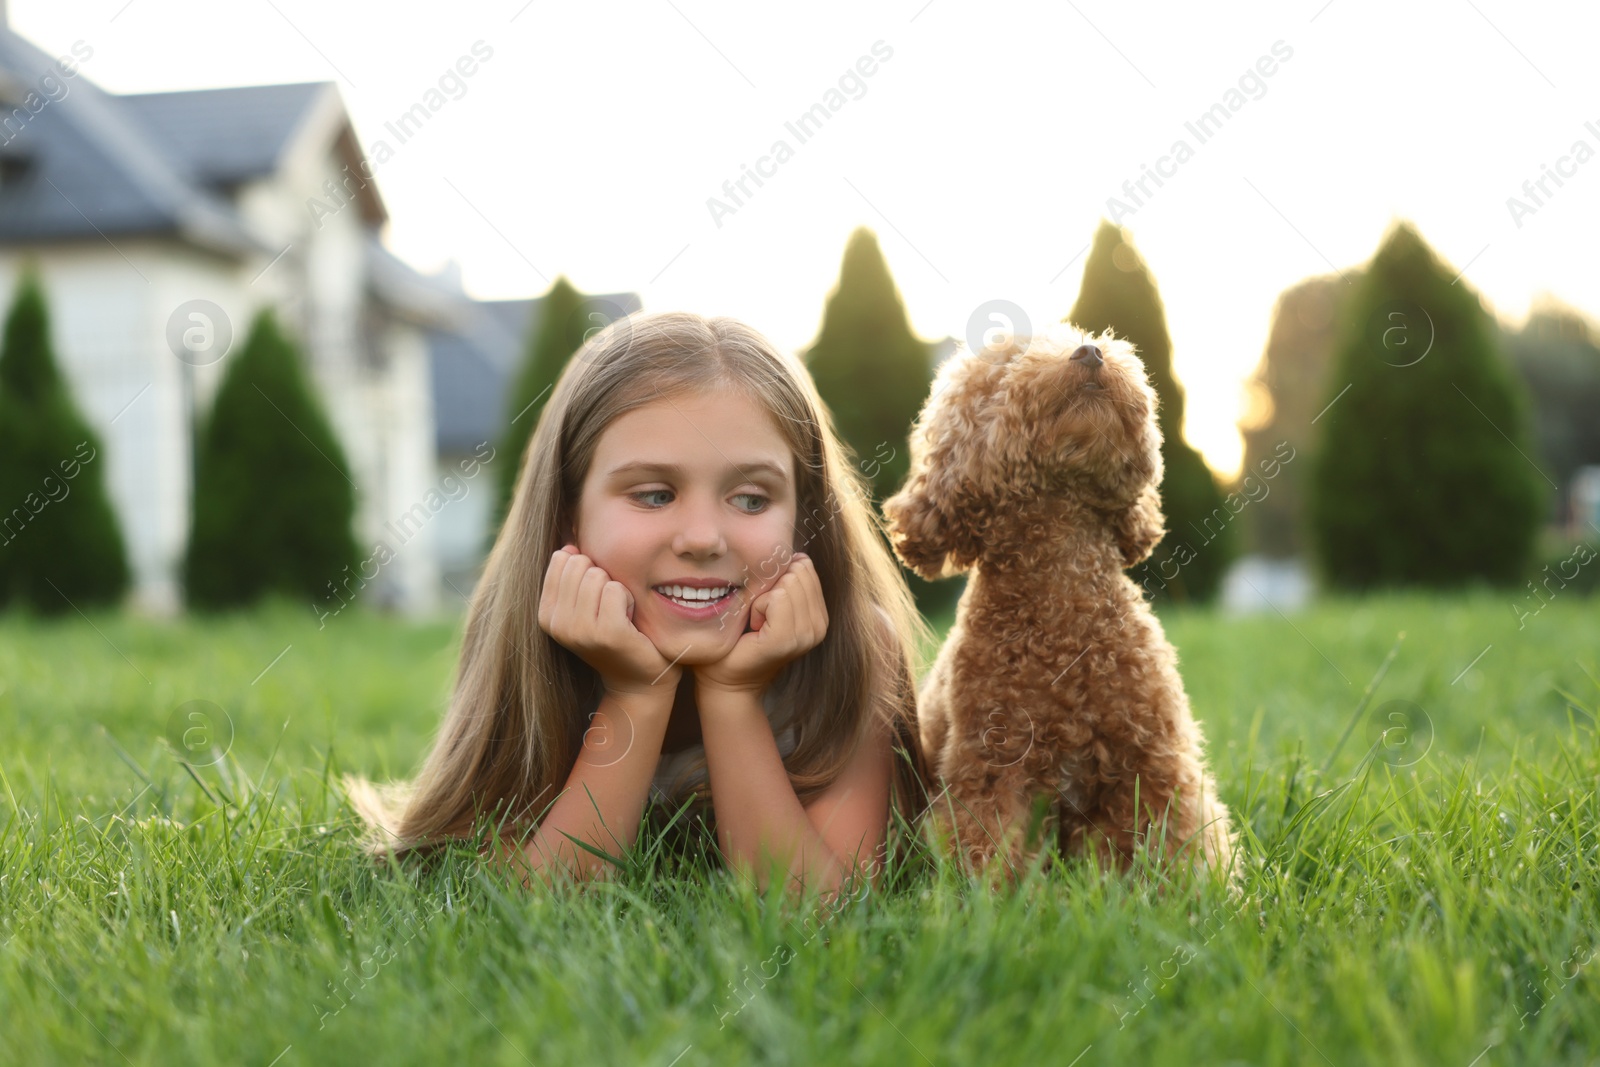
[(1422, 474), (873, 374), (273, 496), (1119, 294), (60, 544), (555, 338)]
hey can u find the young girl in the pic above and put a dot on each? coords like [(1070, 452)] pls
[(690, 599)]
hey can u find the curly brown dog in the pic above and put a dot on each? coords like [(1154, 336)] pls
[(1037, 462)]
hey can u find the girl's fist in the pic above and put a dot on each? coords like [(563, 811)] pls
[(787, 621), (588, 613)]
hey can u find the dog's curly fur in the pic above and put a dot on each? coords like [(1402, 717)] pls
[(1056, 680)]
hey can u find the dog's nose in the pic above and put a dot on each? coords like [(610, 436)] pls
[(1087, 354)]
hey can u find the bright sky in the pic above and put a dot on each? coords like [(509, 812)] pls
[(982, 151)]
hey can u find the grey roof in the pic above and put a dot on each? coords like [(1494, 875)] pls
[(223, 136), (422, 299), (474, 366), (84, 165)]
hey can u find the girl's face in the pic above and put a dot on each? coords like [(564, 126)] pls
[(691, 487)]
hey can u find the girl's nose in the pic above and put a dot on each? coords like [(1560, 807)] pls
[(702, 532)]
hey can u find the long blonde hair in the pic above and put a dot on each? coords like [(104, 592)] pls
[(517, 714)]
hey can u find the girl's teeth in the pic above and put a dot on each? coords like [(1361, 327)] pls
[(677, 594)]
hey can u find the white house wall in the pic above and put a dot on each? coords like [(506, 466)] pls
[(416, 500)]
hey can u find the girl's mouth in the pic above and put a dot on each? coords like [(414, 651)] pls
[(698, 610)]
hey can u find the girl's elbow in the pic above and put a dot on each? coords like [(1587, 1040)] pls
[(537, 865)]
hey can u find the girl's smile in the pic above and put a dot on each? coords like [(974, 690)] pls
[(697, 608)]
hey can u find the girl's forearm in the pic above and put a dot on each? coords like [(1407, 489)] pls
[(603, 801), (760, 820)]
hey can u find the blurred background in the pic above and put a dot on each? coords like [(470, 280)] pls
[(1358, 265)]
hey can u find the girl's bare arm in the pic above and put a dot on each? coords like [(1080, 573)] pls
[(604, 798), (760, 820)]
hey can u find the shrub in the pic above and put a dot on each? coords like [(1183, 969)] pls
[(1422, 473), (60, 545), (273, 501), (552, 341), (873, 373), (1119, 294)]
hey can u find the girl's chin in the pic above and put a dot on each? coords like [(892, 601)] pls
[(695, 653), (691, 643)]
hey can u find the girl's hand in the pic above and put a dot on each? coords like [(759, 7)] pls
[(787, 621), (585, 611)]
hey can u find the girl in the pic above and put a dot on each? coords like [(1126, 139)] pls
[(690, 600)]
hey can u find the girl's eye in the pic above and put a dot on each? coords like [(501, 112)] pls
[(653, 492)]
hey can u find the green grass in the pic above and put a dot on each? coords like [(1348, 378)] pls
[(1431, 899)]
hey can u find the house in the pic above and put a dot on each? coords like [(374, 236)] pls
[(160, 223)]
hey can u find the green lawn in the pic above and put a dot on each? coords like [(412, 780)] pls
[(1430, 899)]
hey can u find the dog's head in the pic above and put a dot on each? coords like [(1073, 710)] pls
[(1063, 415)]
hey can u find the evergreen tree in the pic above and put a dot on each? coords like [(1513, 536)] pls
[(1118, 294), (559, 333), (273, 502), (1422, 474), (60, 545), (873, 374)]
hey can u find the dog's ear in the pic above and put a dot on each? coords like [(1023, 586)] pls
[(1140, 526), (938, 519), (929, 528)]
